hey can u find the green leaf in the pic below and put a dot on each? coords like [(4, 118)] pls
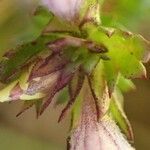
[(23, 55), (77, 107), (26, 30), (41, 18), (76, 111), (125, 51), (90, 62), (124, 84), (117, 113), (5, 92), (99, 87)]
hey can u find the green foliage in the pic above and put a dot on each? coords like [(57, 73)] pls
[(124, 52), (125, 14), (23, 55), (60, 55), (31, 27), (117, 113)]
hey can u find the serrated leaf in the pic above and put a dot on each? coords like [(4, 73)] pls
[(125, 51), (119, 40)]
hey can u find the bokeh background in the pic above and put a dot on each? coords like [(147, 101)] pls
[(28, 133)]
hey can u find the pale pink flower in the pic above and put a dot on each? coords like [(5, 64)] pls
[(66, 9), (91, 134)]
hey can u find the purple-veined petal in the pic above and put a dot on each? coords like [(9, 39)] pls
[(62, 81), (44, 83), (91, 134), (44, 67)]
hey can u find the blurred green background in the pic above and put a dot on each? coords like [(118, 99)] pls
[(28, 133)]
